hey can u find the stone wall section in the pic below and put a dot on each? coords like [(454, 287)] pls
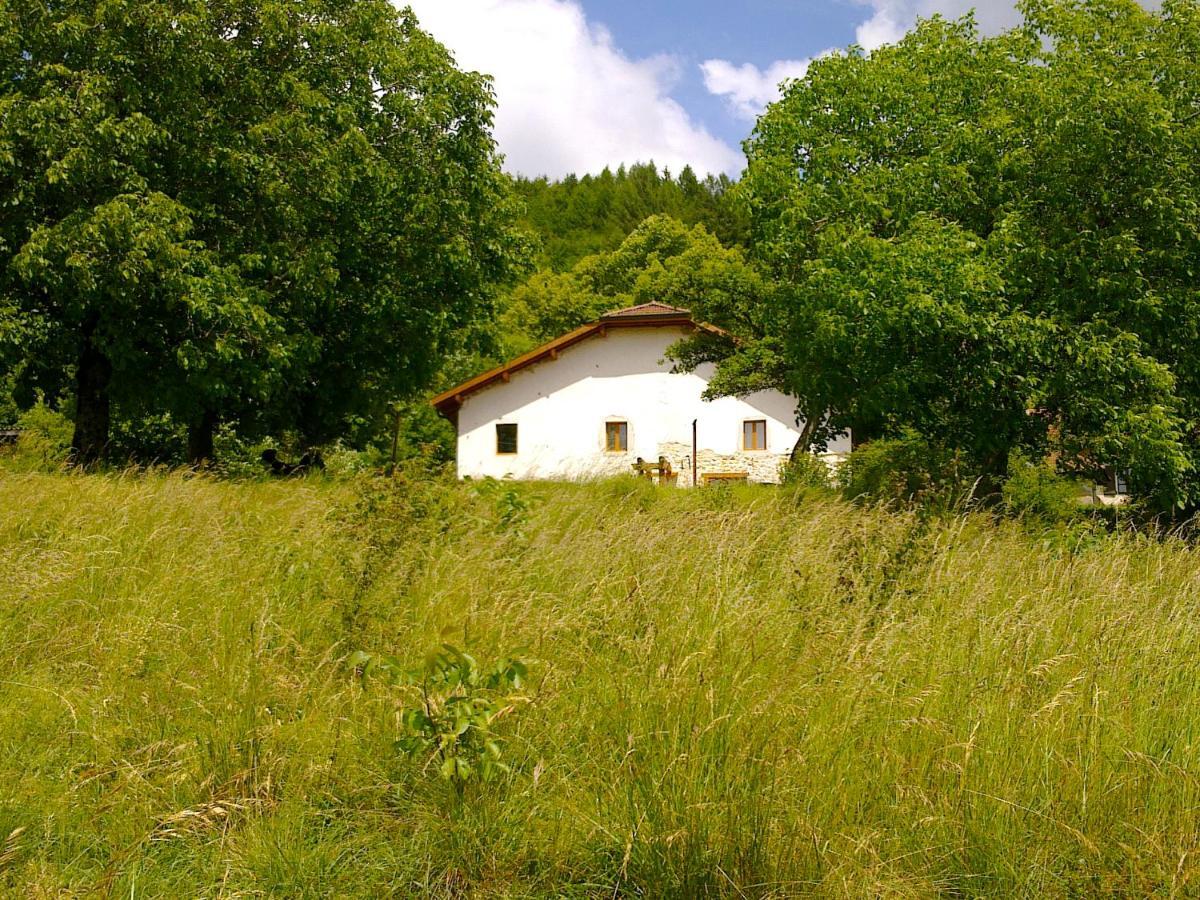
[(760, 467)]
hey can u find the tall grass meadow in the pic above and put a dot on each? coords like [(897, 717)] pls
[(737, 692)]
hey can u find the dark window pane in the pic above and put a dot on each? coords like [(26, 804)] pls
[(506, 439)]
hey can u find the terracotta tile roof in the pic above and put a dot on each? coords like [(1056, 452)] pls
[(646, 310)]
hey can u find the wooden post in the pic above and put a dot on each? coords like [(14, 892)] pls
[(695, 450)]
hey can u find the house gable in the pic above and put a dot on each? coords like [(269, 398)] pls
[(647, 315)]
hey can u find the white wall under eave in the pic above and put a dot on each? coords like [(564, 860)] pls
[(561, 406)]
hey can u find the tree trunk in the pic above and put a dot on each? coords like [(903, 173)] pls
[(92, 408), (200, 439), (806, 436), (310, 426)]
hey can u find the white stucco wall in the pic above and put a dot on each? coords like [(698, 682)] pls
[(561, 406)]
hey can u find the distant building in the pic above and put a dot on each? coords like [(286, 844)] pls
[(603, 398)]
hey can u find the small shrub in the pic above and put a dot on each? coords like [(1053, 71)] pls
[(455, 704), (908, 470), (512, 512), (45, 441), (424, 433), (807, 471), (148, 439), (511, 509), (237, 457), (1036, 491), (345, 462), (9, 410), (389, 511)]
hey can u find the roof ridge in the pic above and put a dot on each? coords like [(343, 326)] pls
[(654, 307)]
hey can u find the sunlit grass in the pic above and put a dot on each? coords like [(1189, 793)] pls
[(735, 692)]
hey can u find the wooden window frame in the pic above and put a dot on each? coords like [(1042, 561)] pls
[(516, 439), (746, 432), (618, 425)]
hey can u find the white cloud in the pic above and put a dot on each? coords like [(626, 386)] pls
[(568, 99), (747, 88), (891, 19)]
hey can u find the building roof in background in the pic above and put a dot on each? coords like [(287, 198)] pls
[(652, 315), (647, 311)]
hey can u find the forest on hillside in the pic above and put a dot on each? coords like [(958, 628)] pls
[(980, 248), (580, 216)]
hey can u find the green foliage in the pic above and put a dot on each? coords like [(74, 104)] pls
[(400, 510), (991, 240), (422, 433), (149, 438), (1036, 491), (345, 462), (584, 216), (510, 506), (9, 409), (456, 704), (238, 457), (905, 471), (807, 471), (915, 332), (661, 260), (512, 512), (276, 215), (44, 444)]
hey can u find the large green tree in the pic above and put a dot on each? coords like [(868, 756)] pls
[(995, 241), (662, 260), (274, 212)]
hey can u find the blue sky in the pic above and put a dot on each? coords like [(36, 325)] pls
[(758, 32), (583, 84)]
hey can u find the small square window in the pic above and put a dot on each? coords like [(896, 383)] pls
[(616, 437), (506, 440), (754, 434)]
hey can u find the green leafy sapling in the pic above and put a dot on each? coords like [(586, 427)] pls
[(511, 508), (456, 704)]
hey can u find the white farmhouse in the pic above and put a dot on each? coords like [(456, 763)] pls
[(599, 399)]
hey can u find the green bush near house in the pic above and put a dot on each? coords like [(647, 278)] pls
[(807, 471), (44, 444), (904, 471), (1036, 491)]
